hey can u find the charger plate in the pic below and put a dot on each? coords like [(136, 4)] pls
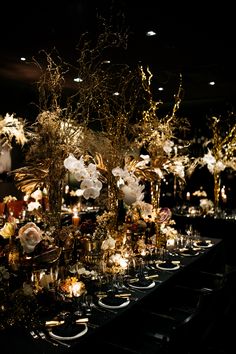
[(150, 286), (122, 305), (77, 335), (167, 265), (189, 253), (203, 244)]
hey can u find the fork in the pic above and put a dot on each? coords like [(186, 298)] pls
[(54, 341), (41, 335), (38, 336)]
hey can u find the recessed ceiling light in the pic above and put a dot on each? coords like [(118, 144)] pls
[(150, 33), (78, 79), (212, 83), (23, 59), (160, 88), (116, 94)]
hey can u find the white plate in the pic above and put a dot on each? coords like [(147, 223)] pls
[(189, 254), (150, 286), (209, 244), (80, 334), (176, 266), (124, 304)]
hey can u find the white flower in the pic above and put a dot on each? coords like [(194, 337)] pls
[(97, 184), (108, 244), (213, 165), (179, 169), (79, 192), (168, 231), (33, 206), (209, 160), (219, 166), (146, 209), (129, 185), (13, 127), (117, 172), (92, 170), (91, 193), (144, 162), (167, 147), (86, 183), (129, 195), (206, 205), (73, 164), (88, 176), (37, 195), (81, 174), (30, 235)]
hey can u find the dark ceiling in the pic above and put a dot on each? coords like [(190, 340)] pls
[(191, 41)]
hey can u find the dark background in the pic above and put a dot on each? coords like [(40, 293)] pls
[(193, 40)]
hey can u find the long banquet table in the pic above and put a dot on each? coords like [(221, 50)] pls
[(211, 226), (20, 341)]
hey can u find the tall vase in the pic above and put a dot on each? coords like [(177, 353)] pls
[(54, 202), (156, 194), (216, 190), (112, 199)]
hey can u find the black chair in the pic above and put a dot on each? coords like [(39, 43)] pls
[(176, 322)]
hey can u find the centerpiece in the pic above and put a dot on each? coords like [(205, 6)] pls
[(220, 153)]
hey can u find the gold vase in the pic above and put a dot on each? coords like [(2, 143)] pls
[(217, 182), (155, 194)]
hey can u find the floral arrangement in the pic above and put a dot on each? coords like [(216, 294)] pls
[(90, 185), (221, 148), (11, 127), (129, 185), (71, 286), (156, 134)]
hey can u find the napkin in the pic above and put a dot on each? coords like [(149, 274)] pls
[(112, 300)]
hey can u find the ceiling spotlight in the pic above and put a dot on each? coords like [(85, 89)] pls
[(212, 83), (78, 79), (150, 33), (160, 88), (23, 59)]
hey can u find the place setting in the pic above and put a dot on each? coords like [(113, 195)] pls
[(189, 251), (167, 261), (66, 326), (203, 243)]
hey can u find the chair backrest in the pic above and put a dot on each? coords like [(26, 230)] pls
[(194, 328)]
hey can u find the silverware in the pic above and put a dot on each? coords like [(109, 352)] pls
[(52, 340), (39, 336)]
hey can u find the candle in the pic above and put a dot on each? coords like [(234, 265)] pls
[(75, 219), (223, 195)]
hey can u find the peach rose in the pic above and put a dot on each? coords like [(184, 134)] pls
[(30, 235)]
